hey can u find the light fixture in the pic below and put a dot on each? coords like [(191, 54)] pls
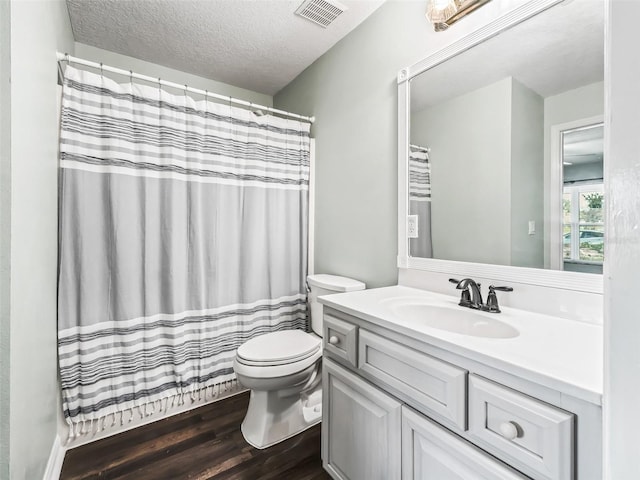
[(443, 13)]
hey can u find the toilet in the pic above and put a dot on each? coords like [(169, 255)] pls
[(283, 371)]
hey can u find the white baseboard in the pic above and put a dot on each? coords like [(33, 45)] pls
[(56, 458)]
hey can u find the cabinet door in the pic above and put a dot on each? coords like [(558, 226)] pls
[(430, 452), (360, 427)]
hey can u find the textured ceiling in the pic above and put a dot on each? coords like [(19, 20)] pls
[(555, 51), (255, 44)]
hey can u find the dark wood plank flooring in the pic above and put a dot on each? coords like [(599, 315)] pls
[(205, 443)]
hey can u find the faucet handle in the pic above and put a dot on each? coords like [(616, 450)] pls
[(501, 289), (454, 280), (492, 299)]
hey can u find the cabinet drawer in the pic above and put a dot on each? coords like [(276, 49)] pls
[(430, 452), (340, 339), (533, 436), (421, 380)]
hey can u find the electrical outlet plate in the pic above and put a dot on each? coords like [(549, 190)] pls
[(412, 226)]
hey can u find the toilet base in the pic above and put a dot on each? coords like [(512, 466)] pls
[(273, 417)]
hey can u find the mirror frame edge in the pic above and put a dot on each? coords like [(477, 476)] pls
[(583, 282)]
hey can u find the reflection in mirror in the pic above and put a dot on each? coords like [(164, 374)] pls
[(420, 199), (481, 146), (582, 199)]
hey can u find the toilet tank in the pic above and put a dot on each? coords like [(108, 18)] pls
[(323, 284)]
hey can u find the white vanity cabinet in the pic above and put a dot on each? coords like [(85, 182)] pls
[(394, 408)]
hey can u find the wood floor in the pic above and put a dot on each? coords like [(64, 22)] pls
[(205, 443)]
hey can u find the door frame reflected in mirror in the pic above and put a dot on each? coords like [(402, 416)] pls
[(556, 185)]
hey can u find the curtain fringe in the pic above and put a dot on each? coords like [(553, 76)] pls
[(121, 418)]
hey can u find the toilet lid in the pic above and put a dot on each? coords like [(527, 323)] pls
[(285, 346)]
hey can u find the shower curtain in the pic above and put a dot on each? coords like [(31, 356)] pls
[(183, 233), (420, 200)]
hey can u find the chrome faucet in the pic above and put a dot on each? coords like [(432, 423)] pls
[(473, 299)]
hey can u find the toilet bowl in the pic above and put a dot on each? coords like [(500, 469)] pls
[(283, 371)]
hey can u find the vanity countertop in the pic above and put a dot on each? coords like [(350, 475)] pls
[(564, 355)]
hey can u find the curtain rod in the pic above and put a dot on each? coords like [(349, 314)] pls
[(65, 57)]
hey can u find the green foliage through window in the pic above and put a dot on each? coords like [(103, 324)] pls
[(594, 200)]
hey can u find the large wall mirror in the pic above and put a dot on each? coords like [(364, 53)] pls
[(504, 133)]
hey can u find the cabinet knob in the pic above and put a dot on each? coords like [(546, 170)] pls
[(333, 340), (509, 430)]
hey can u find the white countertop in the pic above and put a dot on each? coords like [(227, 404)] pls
[(560, 354)]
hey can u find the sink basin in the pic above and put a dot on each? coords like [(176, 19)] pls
[(454, 319)]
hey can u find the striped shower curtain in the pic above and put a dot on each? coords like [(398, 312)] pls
[(420, 200), (183, 233)]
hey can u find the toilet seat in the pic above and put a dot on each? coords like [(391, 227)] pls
[(278, 348), (277, 354)]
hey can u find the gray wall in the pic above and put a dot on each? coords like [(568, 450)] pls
[(583, 102), (488, 177), (38, 29), (352, 91), (154, 70), (470, 172), (527, 176)]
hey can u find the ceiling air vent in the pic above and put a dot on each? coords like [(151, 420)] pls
[(320, 12)]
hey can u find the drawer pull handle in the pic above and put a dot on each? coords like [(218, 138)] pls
[(509, 430), (333, 340)]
